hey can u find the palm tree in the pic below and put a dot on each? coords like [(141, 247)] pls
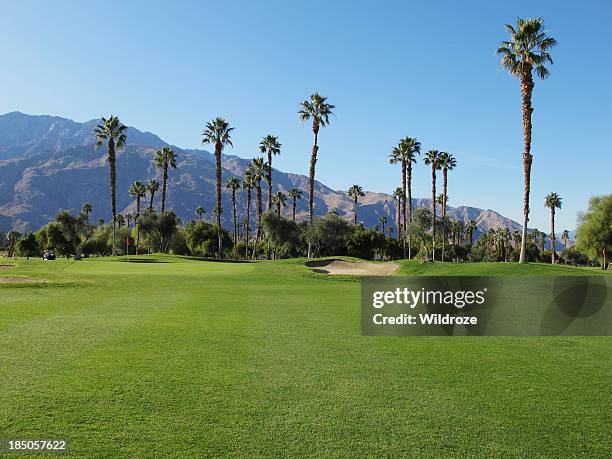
[(552, 201), (295, 194), (355, 192), (432, 158), (565, 239), (139, 191), (120, 220), (259, 171), (412, 148), (397, 194), (270, 146), (86, 209), (152, 188), (470, 227), (218, 132), (526, 51), (280, 199), (397, 157), (318, 110), (199, 211), (165, 158), (247, 184), (383, 221), (112, 132), (447, 163), (233, 184)]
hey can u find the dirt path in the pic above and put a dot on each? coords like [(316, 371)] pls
[(352, 268)]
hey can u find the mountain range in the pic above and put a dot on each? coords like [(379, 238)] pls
[(49, 163)]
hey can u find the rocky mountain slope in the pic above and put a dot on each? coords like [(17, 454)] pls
[(49, 163)]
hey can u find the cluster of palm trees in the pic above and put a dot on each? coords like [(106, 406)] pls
[(526, 52)]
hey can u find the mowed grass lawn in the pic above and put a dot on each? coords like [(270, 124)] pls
[(190, 358)]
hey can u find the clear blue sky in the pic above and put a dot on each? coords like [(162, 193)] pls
[(423, 69)]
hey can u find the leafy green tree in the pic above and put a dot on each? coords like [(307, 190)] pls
[(317, 110), (282, 234), (328, 235), (112, 132), (594, 233), (355, 192), (12, 239), (295, 194), (552, 201), (201, 239), (28, 246), (74, 230), (526, 51), (270, 146), (165, 159), (218, 132)]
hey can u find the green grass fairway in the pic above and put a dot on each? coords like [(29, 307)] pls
[(178, 357)]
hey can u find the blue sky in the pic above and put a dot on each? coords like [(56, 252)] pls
[(422, 69)]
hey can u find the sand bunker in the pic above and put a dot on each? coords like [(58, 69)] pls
[(15, 280), (352, 268)]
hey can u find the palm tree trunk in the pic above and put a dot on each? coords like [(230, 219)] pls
[(433, 213), (278, 209), (164, 181), (444, 181), (234, 212), (269, 180), (218, 149), (151, 201), (113, 184), (311, 178), (526, 91), (409, 186), (605, 259), (404, 204), (259, 211), (552, 235), (248, 216), (137, 225), (294, 204), (399, 219), (355, 210)]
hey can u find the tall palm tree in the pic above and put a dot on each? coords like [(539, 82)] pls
[(120, 220), (412, 148), (526, 51), (432, 158), (270, 146), (259, 171), (247, 184), (552, 201), (112, 132), (199, 211), (233, 184), (164, 159), (139, 191), (280, 199), (318, 111), (295, 194), (447, 163), (397, 194), (355, 192), (383, 221), (397, 157), (218, 132), (152, 188)]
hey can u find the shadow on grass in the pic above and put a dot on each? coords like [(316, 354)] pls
[(143, 260), (225, 260)]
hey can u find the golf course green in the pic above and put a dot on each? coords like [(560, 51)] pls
[(172, 356)]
